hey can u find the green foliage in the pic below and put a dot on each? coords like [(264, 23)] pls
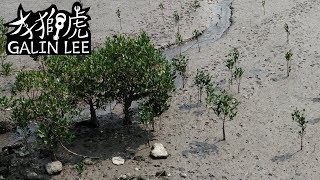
[(232, 62), (288, 57), (3, 37), (202, 80), (196, 34), (299, 117), (6, 68), (87, 79), (39, 97), (138, 70), (179, 41), (79, 166), (180, 64), (224, 106), (238, 76)]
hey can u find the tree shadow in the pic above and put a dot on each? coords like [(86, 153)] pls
[(316, 100), (314, 121), (109, 140), (201, 149), (284, 157), (189, 106)]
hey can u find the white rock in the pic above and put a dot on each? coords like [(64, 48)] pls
[(184, 175), (122, 177), (54, 167), (158, 151), (88, 161), (117, 160)]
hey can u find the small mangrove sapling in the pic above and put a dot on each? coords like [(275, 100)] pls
[(161, 6), (288, 57), (179, 41), (299, 117), (232, 62), (196, 34), (224, 106), (202, 80), (180, 64), (238, 76), (263, 5), (118, 12), (286, 28), (177, 19)]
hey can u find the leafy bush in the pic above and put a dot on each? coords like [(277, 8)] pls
[(6, 68), (138, 70), (39, 97)]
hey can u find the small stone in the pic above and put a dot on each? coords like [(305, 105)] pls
[(88, 161), (183, 175), (158, 151), (32, 175), (123, 176), (54, 167), (117, 160), (137, 169), (139, 158)]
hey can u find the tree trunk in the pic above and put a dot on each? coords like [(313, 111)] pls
[(239, 86), (53, 156), (198, 45), (301, 145), (93, 115), (288, 69), (126, 111), (223, 131), (200, 94)]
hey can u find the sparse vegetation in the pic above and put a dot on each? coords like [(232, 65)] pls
[(196, 34), (6, 68), (298, 117), (231, 63), (180, 64), (177, 19), (224, 106), (179, 41), (202, 80), (238, 76)]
